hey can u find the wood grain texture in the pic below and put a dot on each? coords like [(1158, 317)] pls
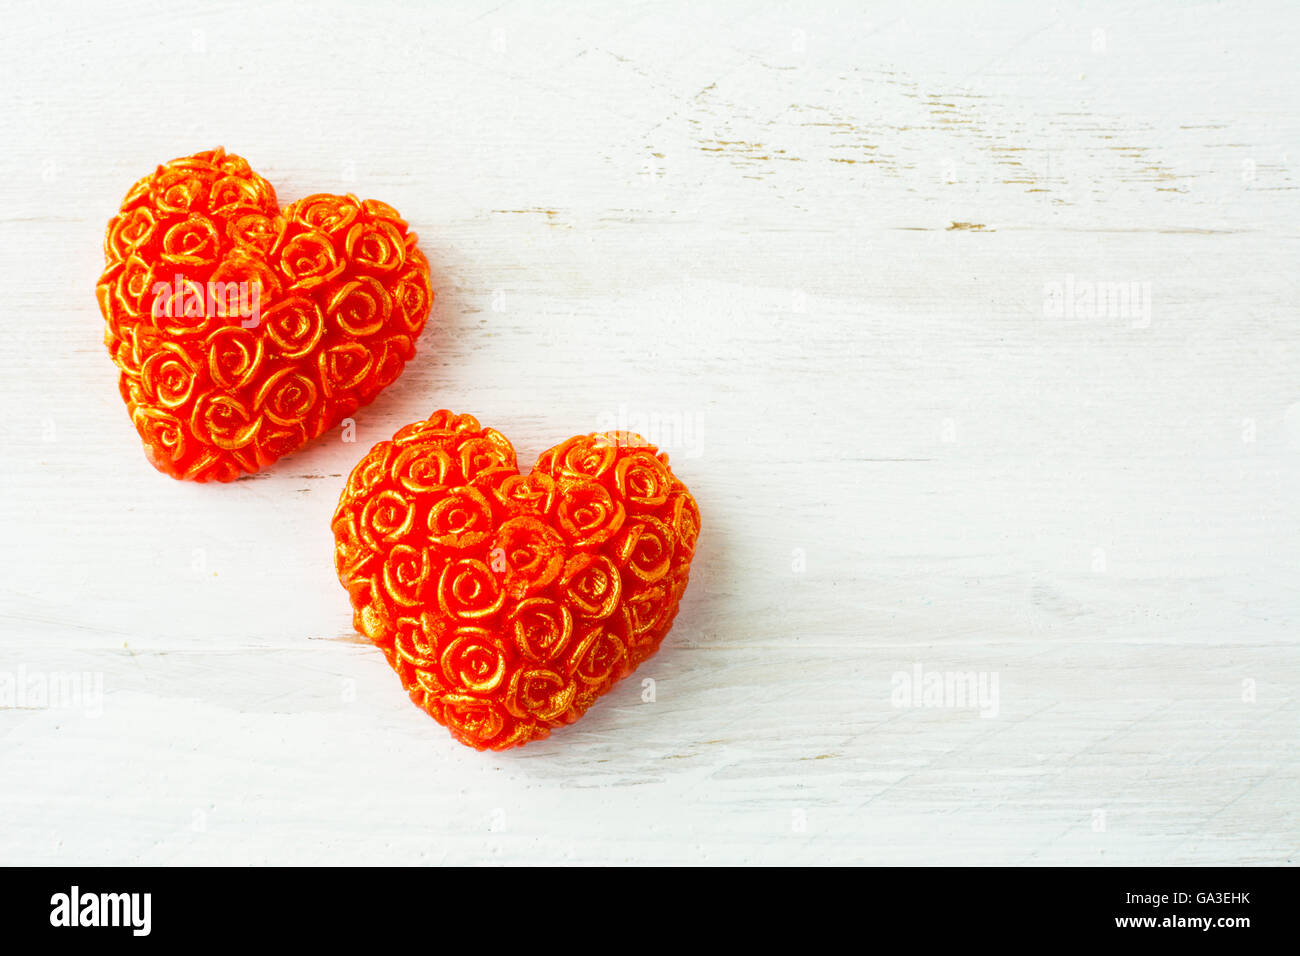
[(818, 251)]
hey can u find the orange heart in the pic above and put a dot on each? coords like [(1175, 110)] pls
[(241, 331), (508, 603)]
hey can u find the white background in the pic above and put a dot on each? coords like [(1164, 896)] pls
[(739, 220)]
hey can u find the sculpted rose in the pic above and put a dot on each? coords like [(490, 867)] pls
[(224, 421), (165, 432), (275, 440), (473, 663), (461, 520), (526, 494), (468, 590), (412, 297), (418, 468), (587, 514), (168, 376), (643, 479), (547, 694), (579, 457), (490, 453), (529, 555), (376, 245), (416, 641), (646, 612), (540, 629), (652, 550), (344, 367), (287, 397), (128, 231), (591, 585), (178, 190), (370, 472), (296, 326), (328, 213), (191, 242), (386, 517), (232, 193), (408, 575), (470, 717), (255, 232), (308, 260), (601, 654), (360, 307)]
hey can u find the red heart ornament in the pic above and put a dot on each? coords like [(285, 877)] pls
[(242, 331), (508, 603)]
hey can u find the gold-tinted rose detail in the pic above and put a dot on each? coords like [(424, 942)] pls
[(472, 720), (234, 357), (308, 259), (587, 513), (191, 242), (652, 554), (582, 457), (421, 640), (408, 575), (296, 327), (647, 607), (526, 494), (360, 307), (178, 190), (685, 519), (419, 468), (528, 554), (600, 653), (412, 295), (232, 194), (461, 519), (369, 473), (386, 517), (345, 367), (473, 662), (591, 585), (287, 396), (164, 433), (168, 376), (326, 212), (540, 629), (224, 421), (275, 440), (129, 231), (642, 479), (485, 453), (539, 694), (376, 246), (255, 231), (468, 590)]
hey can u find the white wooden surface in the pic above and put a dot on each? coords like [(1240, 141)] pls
[(742, 220)]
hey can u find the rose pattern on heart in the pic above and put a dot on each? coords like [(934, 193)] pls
[(508, 603), (242, 331)]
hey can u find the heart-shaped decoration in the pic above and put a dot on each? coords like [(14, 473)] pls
[(508, 603), (243, 331)]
